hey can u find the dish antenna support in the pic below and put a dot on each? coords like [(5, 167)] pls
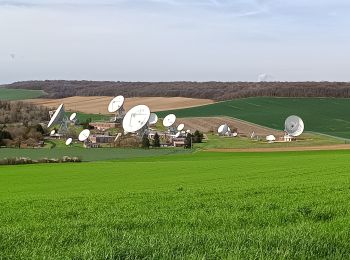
[(59, 118), (117, 106)]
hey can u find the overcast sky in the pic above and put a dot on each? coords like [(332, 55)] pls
[(166, 40)]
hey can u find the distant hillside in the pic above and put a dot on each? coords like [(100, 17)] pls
[(208, 90)]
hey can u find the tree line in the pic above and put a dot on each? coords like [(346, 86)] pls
[(209, 90)]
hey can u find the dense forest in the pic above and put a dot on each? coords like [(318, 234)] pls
[(22, 112), (210, 90)]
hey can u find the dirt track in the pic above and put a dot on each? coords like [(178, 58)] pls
[(208, 124), (283, 149), (98, 105)]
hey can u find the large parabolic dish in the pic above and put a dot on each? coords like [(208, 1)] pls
[(84, 135), (294, 126), (169, 120), (223, 129), (136, 118), (57, 116), (115, 104)]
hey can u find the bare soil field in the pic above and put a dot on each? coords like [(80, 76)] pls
[(211, 124), (99, 104), (283, 149)]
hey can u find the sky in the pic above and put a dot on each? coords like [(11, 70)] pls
[(175, 40)]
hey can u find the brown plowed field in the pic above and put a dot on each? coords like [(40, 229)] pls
[(208, 124), (98, 105)]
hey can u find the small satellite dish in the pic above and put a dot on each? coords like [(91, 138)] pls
[(84, 135), (180, 127), (228, 129), (188, 131), (294, 126), (115, 104), (57, 116), (72, 116), (53, 132), (169, 120), (153, 119), (69, 141), (234, 134), (223, 129), (136, 118), (177, 134), (270, 138)]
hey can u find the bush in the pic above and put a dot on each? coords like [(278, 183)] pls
[(156, 141)]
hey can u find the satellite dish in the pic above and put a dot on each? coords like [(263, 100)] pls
[(188, 131), (169, 120), (177, 134), (234, 134), (53, 132), (69, 141), (228, 129), (84, 135), (294, 126), (153, 119), (223, 129), (72, 116), (115, 104), (270, 138), (57, 116), (136, 118), (180, 127)]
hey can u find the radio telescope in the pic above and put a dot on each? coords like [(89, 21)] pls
[(73, 117), (84, 135), (153, 119), (180, 127), (136, 119), (69, 141), (169, 122), (223, 129), (59, 118), (294, 126), (117, 106)]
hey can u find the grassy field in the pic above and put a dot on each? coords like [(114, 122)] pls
[(323, 115), (98, 154), (199, 206), (19, 94), (307, 139)]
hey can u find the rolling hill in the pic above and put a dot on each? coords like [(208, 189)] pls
[(323, 115)]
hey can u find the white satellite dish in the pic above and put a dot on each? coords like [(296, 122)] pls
[(228, 129), (270, 138), (294, 126), (84, 135), (57, 116), (234, 134), (223, 129), (115, 104), (73, 116), (188, 131), (169, 120), (136, 118), (153, 119), (180, 127), (69, 141), (177, 134)]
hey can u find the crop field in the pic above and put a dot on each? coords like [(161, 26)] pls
[(96, 154), (19, 94), (200, 206), (323, 115)]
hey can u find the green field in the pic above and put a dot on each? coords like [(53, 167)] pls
[(96, 154), (307, 139), (199, 206), (19, 94), (323, 115)]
